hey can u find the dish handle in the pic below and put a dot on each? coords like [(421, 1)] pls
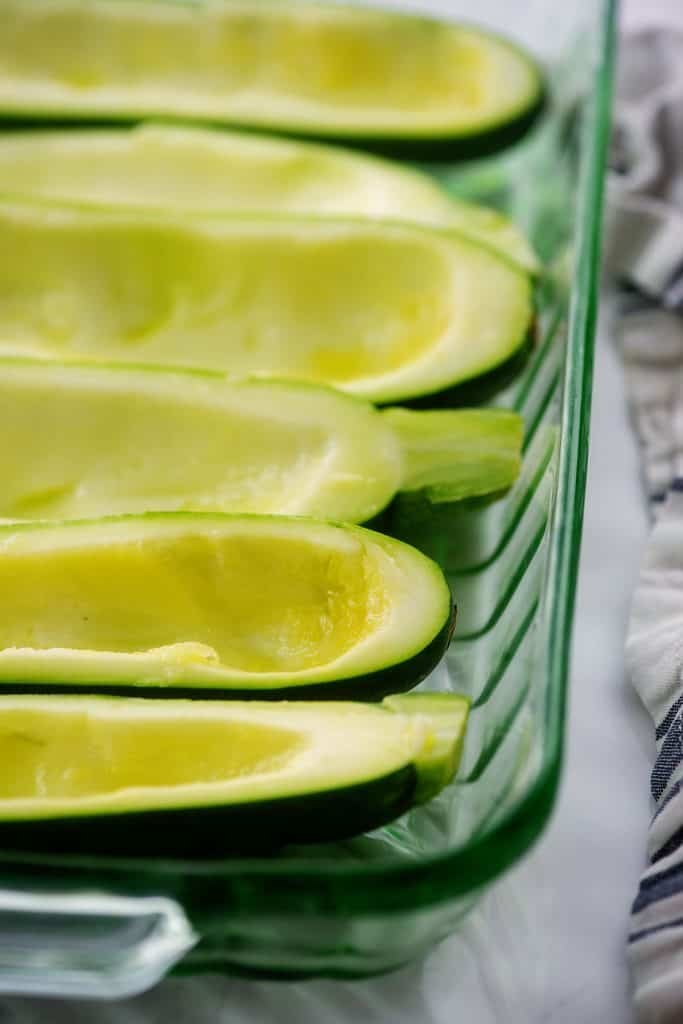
[(90, 944)]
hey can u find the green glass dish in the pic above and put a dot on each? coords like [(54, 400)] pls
[(112, 927)]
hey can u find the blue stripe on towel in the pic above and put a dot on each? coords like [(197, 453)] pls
[(658, 887), (665, 724), (671, 844), (668, 759), (653, 929), (674, 791)]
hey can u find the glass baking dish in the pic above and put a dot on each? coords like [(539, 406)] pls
[(110, 928)]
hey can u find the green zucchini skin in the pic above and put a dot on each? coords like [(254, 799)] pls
[(260, 827), (478, 390), (437, 150), (370, 688)]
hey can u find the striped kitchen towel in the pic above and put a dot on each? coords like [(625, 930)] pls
[(645, 252), (655, 658)]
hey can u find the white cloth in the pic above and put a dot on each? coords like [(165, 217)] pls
[(645, 253)]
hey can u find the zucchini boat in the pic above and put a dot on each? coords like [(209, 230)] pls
[(235, 605), (85, 441), (113, 776), (406, 84), (164, 168), (383, 310)]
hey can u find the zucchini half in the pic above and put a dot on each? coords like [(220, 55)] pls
[(98, 775), (197, 170), (86, 441), (234, 605), (386, 311), (403, 83)]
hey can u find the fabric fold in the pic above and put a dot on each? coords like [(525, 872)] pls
[(644, 253)]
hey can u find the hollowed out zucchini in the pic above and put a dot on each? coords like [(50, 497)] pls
[(384, 311), (91, 774), (403, 83), (241, 606), (84, 441), (158, 167)]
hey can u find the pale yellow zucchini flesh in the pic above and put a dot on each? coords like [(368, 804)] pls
[(199, 170), (235, 603), (83, 441), (384, 311)]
